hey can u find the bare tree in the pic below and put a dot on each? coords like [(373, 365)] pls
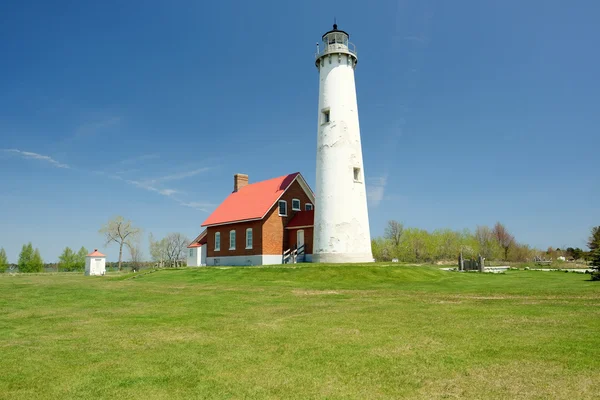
[(135, 255), (485, 238), (120, 231), (503, 237), (157, 250), (176, 245), (394, 231), (170, 250)]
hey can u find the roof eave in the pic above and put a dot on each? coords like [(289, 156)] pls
[(234, 222)]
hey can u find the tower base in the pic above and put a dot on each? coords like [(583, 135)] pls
[(342, 258)]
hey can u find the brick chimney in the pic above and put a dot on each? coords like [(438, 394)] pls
[(239, 181)]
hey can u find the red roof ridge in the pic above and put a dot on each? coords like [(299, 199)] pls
[(253, 201)]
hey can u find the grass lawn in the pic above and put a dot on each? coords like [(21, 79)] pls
[(335, 332)]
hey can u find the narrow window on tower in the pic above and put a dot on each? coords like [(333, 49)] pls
[(356, 174), (326, 116)]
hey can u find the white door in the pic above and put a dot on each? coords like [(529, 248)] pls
[(203, 254), (300, 238)]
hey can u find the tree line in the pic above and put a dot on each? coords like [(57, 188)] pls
[(420, 245), (398, 242), (169, 251), (492, 243), (30, 260)]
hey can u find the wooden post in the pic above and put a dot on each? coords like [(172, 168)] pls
[(461, 262)]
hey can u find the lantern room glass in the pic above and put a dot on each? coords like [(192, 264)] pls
[(336, 37)]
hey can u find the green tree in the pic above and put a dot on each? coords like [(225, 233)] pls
[(80, 258), (37, 263), (569, 252), (446, 244), (25, 258), (376, 248), (416, 246), (469, 245), (521, 252), (594, 240), (383, 249), (574, 253), (66, 261), (3, 260), (595, 258)]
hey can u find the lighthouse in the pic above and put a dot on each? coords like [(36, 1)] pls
[(341, 225)]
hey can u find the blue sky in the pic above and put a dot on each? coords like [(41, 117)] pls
[(471, 112)]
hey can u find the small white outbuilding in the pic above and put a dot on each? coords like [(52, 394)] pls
[(95, 263), (197, 251)]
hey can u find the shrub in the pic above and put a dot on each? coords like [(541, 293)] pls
[(3, 260)]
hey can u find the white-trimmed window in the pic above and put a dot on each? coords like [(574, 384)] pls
[(191, 252), (232, 240), (308, 206), (249, 238), (283, 208), (295, 205), (217, 241)]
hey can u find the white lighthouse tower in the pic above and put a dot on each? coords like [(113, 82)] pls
[(341, 228)]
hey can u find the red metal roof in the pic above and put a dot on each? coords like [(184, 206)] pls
[(302, 219), (96, 253), (252, 201)]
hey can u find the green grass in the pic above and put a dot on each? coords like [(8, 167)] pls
[(335, 332)]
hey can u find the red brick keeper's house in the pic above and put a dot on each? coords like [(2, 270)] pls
[(258, 224)]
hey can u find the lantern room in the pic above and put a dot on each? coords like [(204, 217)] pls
[(335, 42)]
